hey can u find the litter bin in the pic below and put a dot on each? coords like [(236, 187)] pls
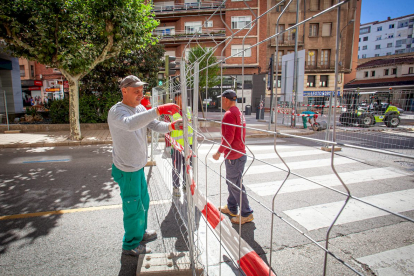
[(248, 110)]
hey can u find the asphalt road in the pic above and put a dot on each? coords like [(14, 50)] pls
[(88, 241)]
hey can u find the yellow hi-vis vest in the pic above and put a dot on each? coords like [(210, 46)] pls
[(178, 135)]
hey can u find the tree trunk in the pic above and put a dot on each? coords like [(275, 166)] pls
[(75, 131), (201, 102)]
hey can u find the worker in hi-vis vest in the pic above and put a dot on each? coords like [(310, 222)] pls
[(178, 160)]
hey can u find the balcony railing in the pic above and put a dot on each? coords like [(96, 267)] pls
[(183, 34), (219, 58), (285, 42), (165, 7)]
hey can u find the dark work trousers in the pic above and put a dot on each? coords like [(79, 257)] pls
[(234, 172), (178, 164)]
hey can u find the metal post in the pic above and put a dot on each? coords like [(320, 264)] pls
[(195, 142), (190, 208), (5, 108), (271, 89), (295, 73)]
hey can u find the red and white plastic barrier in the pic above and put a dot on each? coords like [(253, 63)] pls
[(250, 262), (293, 113), (320, 105)]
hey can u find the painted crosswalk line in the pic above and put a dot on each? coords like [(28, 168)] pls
[(396, 262), (329, 180), (299, 165), (320, 216)]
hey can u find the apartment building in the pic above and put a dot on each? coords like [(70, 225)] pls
[(187, 23), (318, 38), (388, 37)]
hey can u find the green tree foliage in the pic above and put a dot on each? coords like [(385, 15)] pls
[(74, 36), (105, 77), (208, 77)]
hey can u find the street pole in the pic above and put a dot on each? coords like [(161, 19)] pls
[(271, 89), (295, 73), (5, 108)]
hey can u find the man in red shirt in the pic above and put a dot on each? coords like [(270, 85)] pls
[(233, 147), (146, 101)]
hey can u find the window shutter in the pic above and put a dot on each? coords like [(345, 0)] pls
[(326, 29)]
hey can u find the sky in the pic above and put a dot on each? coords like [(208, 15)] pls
[(379, 10)]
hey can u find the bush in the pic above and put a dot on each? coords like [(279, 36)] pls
[(59, 111), (31, 111), (92, 109)]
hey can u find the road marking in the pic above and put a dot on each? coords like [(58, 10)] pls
[(206, 148), (299, 165), (330, 180), (320, 216), (41, 159), (68, 211), (273, 155), (396, 262)]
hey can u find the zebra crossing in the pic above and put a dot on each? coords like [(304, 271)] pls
[(315, 165)]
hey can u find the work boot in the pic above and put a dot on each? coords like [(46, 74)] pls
[(149, 235), (140, 249), (236, 219), (225, 210)]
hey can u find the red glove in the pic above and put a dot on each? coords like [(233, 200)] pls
[(178, 124), (169, 108)]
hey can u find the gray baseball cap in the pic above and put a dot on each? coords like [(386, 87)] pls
[(131, 81), (229, 94)]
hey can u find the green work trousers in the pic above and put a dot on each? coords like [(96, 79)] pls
[(135, 204)]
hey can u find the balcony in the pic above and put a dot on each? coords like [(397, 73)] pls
[(204, 34), (285, 42), (205, 5), (317, 67)]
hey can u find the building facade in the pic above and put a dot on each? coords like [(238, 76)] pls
[(388, 37), (318, 38), (41, 83)]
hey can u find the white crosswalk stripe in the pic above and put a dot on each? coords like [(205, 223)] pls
[(329, 180), (319, 216)]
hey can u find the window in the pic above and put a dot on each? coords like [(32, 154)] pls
[(386, 72), (326, 29), (391, 26), (324, 81), (239, 22), (390, 36), (364, 47), (291, 33), (325, 56), (192, 27), (359, 48), (379, 29), (389, 53), (279, 59), (365, 30), (32, 72), (282, 36), (208, 24), (403, 24), (399, 43), (22, 71), (394, 71), (278, 8), (326, 4), (311, 81), (312, 57), (292, 6), (313, 30), (376, 55), (359, 39), (378, 38), (237, 51), (399, 52), (373, 73), (366, 74), (314, 5), (365, 38), (410, 70), (239, 100), (377, 47), (364, 56), (389, 45)]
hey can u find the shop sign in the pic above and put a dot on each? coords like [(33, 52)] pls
[(38, 83), (318, 93), (31, 88), (52, 89)]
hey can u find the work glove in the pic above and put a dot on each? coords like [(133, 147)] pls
[(167, 153), (178, 124), (169, 108)]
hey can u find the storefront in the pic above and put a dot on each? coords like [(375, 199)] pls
[(32, 92)]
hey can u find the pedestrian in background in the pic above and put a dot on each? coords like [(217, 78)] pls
[(146, 102), (177, 159), (234, 138), (128, 122)]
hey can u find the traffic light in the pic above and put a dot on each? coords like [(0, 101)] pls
[(170, 66)]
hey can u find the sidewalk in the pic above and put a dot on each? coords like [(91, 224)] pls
[(95, 137)]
